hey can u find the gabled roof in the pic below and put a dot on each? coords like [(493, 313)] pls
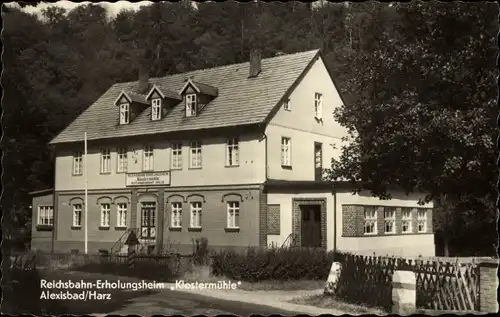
[(230, 108), (200, 88), (164, 93), (131, 97)]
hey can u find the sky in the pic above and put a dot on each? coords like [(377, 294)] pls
[(113, 7)]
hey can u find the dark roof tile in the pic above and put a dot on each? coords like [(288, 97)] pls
[(241, 100)]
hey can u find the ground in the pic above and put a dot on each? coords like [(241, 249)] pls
[(145, 303)]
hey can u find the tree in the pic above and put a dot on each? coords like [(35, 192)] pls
[(425, 118)]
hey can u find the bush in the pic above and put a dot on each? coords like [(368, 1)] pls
[(157, 268), (21, 292), (257, 264), (201, 251)]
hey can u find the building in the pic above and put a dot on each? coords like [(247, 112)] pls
[(233, 153)]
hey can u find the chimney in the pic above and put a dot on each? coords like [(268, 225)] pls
[(255, 63), (143, 77)]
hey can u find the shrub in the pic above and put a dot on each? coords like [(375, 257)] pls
[(157, 268), (201, 251), (257, 264), (21, 292)]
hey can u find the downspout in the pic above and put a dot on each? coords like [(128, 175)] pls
[(55, 202), (334, 222)]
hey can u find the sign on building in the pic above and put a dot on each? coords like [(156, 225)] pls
[(148, 179)]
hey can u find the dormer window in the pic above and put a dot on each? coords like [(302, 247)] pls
[(124, 113), (156, 109), (190, 105)]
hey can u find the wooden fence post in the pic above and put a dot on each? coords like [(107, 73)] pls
[(404, 293), (332, 282)]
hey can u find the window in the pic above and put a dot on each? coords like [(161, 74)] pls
[(389, 220), (370, 220), (77, 163), (46, 215), (285, 152), (176, 215), (406, 220), (124, 113), (190, 105), (318, 105), (121, 220), (233, 152), (422, 220), (195, 153), (177, 156), (105, 211), (148, 222), (195, 214), (233, 214), (122, 160), (105, 161), (156, 109), (148, 158), (287, 105), (77, 215)]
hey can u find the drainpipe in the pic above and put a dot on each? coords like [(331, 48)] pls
[(265, 155), (334, 221)]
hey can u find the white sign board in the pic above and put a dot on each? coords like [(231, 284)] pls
[(148, 179)]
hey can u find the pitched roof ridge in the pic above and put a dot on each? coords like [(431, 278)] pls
[(241, 63), (221, 66)]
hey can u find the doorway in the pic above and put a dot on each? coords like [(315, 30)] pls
[(148, 220), (310, 227)]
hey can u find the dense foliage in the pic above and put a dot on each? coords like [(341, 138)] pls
[(418, 80), (256, 264)]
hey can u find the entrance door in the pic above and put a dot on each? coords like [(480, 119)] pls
[(148, 220), (318, 161), (310, 226)]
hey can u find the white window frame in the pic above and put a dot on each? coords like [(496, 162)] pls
[(195, 154), (318, 105), (233, 214), (156, 109), (196, 214), (77, 163), (148, 158), (177, 156), (122, 160), (406, 219), (105, 215), (191, 100), (287, 105), (124, 113), (121, 215), (46, 215), (286, 151), (77, 215), (233, 152), (105, 161), (422, 220), (370, 220), (176, 215), (390, 220)]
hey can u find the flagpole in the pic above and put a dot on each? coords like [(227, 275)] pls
[(86, 196)]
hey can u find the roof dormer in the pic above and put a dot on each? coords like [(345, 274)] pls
[(130, 105), (161, 101), (196, 96)]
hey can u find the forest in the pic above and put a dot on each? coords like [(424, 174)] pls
[(419, 80)]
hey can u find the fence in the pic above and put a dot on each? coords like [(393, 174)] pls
[(440, 285)]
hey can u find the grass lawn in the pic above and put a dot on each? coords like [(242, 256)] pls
[(323, 301), (118, 298)]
